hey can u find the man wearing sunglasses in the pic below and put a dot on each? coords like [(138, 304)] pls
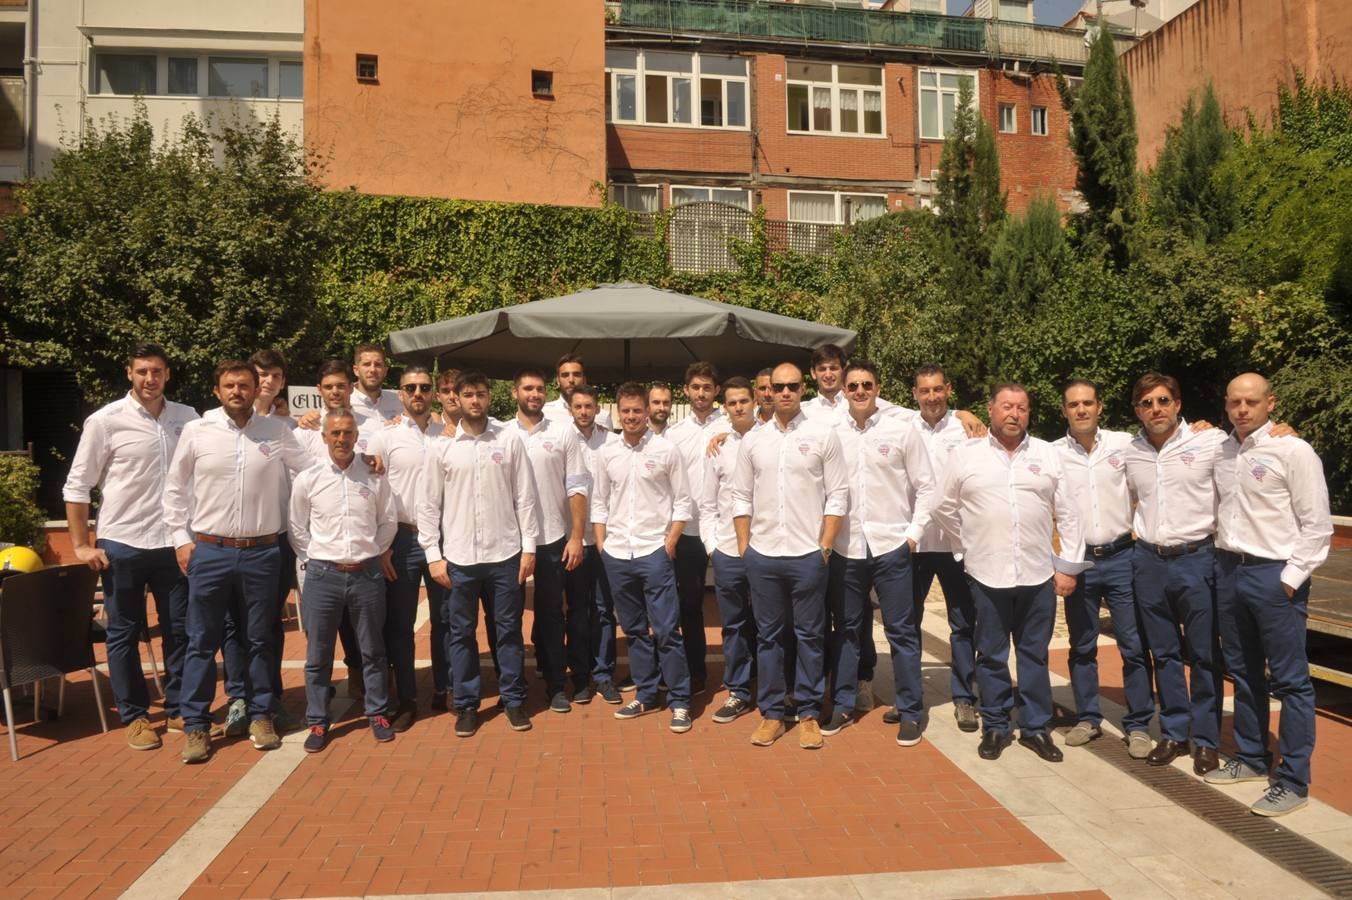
[(1171, 472), (405, 447), (892, 491), (790, 493)]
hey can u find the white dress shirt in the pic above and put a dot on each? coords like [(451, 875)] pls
[(590, 445), (941, 440), (125, 452), (836, 411), (1098, 484), (640, 490), (478, 502), (344, 516), (404, 448), (1175, 487), (225, 480), (999, 509), (892, 487), (715, 501), (1274, 503), (691, 437), (558, 410), (381, 410), (786, 480), (560, 468)]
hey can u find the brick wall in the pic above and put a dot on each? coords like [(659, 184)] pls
[(1246, 47), (1030, 165)]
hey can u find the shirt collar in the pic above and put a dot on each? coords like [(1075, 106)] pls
[(642, 442), (1078, 447), (1259, 435), (490, 431), (793, 423), (939, 425), (870, 422), (995, 442)]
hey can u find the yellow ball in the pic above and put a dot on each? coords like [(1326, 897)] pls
[(20, 559)]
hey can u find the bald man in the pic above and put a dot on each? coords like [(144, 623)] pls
[(1273, 531)]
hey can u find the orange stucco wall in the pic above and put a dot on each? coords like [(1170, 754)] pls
[(1246, 47), (453, 114)]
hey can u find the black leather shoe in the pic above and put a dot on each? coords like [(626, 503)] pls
[(1166, 751), (890, 716), (1205, 760), (993, 743), (1041, 743)]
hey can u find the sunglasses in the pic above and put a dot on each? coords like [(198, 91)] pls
[(778, 386), (411, 389), (859, 386), (1151, 402)]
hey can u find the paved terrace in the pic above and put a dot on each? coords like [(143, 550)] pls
[(587, 806)]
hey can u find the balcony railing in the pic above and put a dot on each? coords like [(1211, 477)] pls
[(791, 22)]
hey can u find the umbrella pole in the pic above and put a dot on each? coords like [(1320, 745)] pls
[(626, 359)]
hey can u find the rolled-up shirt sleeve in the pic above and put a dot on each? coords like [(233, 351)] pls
[(433, 486), (576, 478), (178, 488), (835, 478), (87, 467)]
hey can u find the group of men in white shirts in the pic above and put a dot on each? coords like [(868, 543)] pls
[(1199, 542)]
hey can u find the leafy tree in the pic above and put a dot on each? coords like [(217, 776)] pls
[(206, 243), (1029, 256), (969, 200), (1186, 191), (1103, 136)]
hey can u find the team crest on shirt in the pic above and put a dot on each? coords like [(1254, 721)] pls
[(364, 492), (1188, 457), (497, 456), (1259, 472), (361, 443), (804, 448), (650, 464), (178, 431), (548, 445), (884, 450), (1115, 460), (265, 448), (1035, 468)]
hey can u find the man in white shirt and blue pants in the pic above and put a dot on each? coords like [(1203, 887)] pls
[(343, 520), (124, 451), (640, 506), (1273, 530), (221, 504), (478, 524), (999, 498)]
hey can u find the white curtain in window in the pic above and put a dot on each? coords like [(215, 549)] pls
[(812, 207), (821, 109), (873, 102)]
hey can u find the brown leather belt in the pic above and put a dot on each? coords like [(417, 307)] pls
[(342, 567), (408, 526), (263, 540)]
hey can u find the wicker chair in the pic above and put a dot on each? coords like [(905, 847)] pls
[(45, 633)]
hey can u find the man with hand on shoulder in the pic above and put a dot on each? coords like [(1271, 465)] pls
[(343, 520)]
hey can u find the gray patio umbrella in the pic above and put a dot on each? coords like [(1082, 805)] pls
[(622, 331)]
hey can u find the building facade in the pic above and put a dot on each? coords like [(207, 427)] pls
[(843, 122), (459, 98), (64, 63)]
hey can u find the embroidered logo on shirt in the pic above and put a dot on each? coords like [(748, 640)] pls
[(265, 448), (650, 464), (497, 456), (805, 448), (548, 445), (1260, 471), (1188, 457), (364, 492), (884, 449), (178, 430), (1115, 460), (1035, 468)]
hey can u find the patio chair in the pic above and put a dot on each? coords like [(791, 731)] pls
[(45, 633)]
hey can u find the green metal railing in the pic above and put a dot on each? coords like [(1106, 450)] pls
[(846, 25)]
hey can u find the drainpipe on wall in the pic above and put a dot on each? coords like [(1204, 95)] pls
[(30, 74)]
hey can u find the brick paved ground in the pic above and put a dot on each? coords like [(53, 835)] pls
[(581, 801)]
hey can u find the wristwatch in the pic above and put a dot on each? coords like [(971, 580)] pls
[(826, 554)]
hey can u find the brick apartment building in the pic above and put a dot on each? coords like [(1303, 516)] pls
[(819, 114)]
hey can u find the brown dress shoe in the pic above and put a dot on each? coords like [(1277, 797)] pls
[(1205, 760), (1166, 751)]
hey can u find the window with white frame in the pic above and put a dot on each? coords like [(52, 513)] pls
[(835, 99), (831, 207), (184, 73), (1038, 123), (661, 87), (1009, 118), (731, 196), (939, 91), (641, 198)]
